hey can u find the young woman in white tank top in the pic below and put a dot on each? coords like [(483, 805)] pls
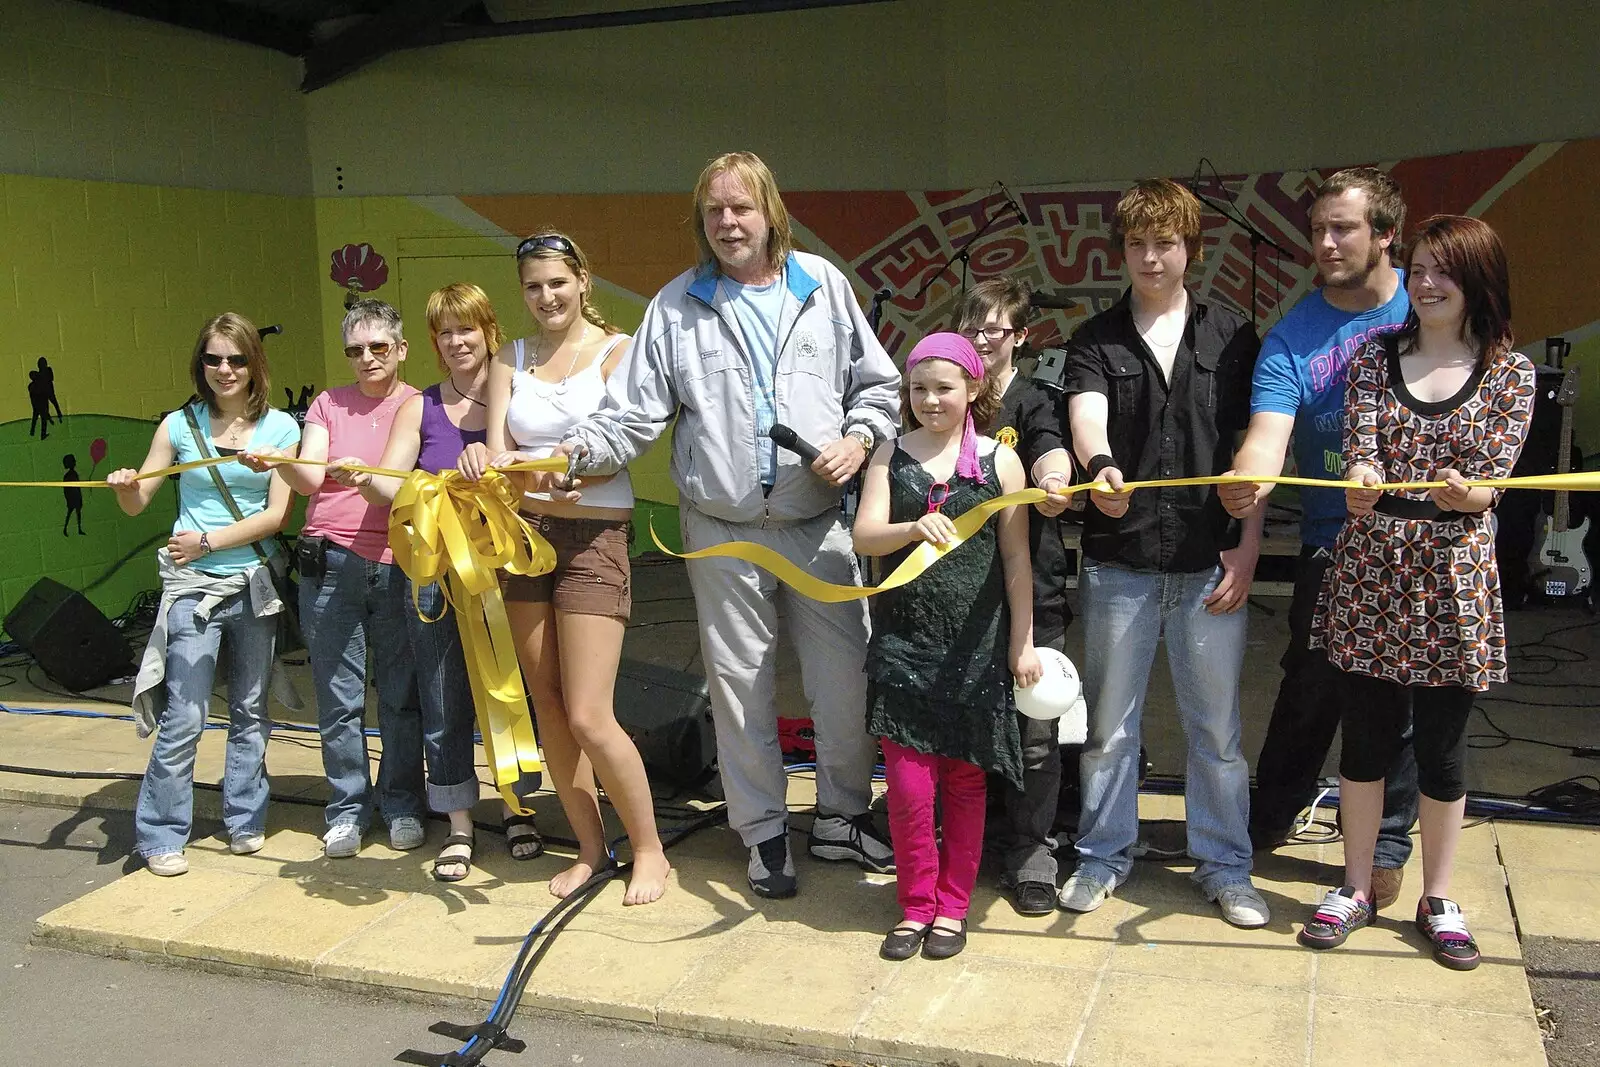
[(569, 624)]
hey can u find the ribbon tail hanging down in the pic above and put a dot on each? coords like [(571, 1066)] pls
[(445, 529)]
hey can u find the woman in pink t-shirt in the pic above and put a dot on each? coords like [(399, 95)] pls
[(353, 597)]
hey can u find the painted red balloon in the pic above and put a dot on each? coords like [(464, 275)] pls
[(97, 450)]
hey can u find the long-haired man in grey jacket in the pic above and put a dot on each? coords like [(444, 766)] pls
[(755, 335)]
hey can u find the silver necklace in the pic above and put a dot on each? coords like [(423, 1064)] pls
[(379, 412), (561, 386)]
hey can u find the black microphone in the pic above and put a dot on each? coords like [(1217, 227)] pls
[(1040, 299), (786, 438), (1011, 201), (267, 330)]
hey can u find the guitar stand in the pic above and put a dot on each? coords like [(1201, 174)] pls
[(494, 1037)]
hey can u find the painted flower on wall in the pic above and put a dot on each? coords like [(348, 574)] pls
[(359, 269)]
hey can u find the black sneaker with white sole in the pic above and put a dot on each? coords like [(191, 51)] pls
[(853, 838), (772, 868)]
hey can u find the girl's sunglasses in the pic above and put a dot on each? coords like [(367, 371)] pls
[(938, 493), (212, 360), (553, 242)]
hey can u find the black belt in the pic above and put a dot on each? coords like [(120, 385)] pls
[(1406, 508)]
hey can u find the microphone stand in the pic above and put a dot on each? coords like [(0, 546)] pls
[(1257, 238), (964, 253)]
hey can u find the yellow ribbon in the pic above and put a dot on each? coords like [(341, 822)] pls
[(927, 553), (446, 529), (921, 558)]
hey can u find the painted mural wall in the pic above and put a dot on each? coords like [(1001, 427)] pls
[(151, 177), (112, 282)]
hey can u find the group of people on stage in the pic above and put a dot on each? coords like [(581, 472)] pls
[(1398, 368)]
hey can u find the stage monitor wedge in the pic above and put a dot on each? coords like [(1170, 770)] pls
[(70, 639)]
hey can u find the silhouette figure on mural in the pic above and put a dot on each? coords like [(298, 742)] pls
[(73, 494), (47, 385), (298, 408), (39, 400)]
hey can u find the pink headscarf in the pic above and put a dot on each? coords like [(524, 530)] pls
[(958, 350)]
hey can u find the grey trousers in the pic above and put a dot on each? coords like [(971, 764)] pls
[(737, 607)]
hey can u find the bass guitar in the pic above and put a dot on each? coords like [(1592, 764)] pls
[(1560, 568)]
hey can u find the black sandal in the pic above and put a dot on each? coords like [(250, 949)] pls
[(445, 861), (901, 942), (942, 944), (531, 838)]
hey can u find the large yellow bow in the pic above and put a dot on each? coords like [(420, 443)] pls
[(445, 529)]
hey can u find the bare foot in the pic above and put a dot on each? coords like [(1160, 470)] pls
[(649, 879), (565, 883)]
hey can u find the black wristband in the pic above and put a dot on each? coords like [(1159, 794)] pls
[(1098, 464)]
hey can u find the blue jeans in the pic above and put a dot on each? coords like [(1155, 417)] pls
[(355, 604), (448, 714), (164, 815), (1125, 613)]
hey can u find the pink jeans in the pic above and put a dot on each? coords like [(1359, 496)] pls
[(934, 877)]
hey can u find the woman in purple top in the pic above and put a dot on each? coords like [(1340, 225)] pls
[(429, 433)]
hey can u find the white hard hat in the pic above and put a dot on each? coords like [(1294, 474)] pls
[(1055, 692)]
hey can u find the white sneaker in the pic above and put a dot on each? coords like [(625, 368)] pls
[(1242, 906), (342, 840), (244, 844), (168, 864), (406, 833), (1083, 892)]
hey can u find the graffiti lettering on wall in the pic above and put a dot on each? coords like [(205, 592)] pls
[(1064, 246)]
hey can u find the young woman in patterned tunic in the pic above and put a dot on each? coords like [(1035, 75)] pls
[(1411, 612)]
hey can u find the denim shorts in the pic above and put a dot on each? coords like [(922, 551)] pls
[(591, 576)]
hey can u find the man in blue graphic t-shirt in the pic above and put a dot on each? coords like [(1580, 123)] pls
[(1298, 392)]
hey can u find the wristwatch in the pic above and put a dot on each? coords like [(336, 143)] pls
[(205, 545), (864, 435)]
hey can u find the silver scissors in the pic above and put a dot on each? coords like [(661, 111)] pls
[(569, 481)]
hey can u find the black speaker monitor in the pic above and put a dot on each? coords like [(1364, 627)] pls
[(668, 715), (68, 636)]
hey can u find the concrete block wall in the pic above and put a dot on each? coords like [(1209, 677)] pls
[(88, 93)]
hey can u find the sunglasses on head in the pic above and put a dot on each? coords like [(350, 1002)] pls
[(938, 493), (553, 242), (212, 360), (379, 349)]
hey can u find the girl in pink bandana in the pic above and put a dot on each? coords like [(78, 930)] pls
[(945, 647)]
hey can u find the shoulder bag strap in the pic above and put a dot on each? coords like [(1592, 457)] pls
[(216, 477)]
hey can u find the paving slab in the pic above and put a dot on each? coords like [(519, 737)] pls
[(1152, 977), (935, 1010), (1356, 1031), (1143, 1020)]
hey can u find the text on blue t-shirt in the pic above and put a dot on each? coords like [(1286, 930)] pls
[(1301, 371)]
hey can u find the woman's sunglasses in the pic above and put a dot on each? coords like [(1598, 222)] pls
[(379, 349), (938, 493), (212, 360), (553, 242)]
